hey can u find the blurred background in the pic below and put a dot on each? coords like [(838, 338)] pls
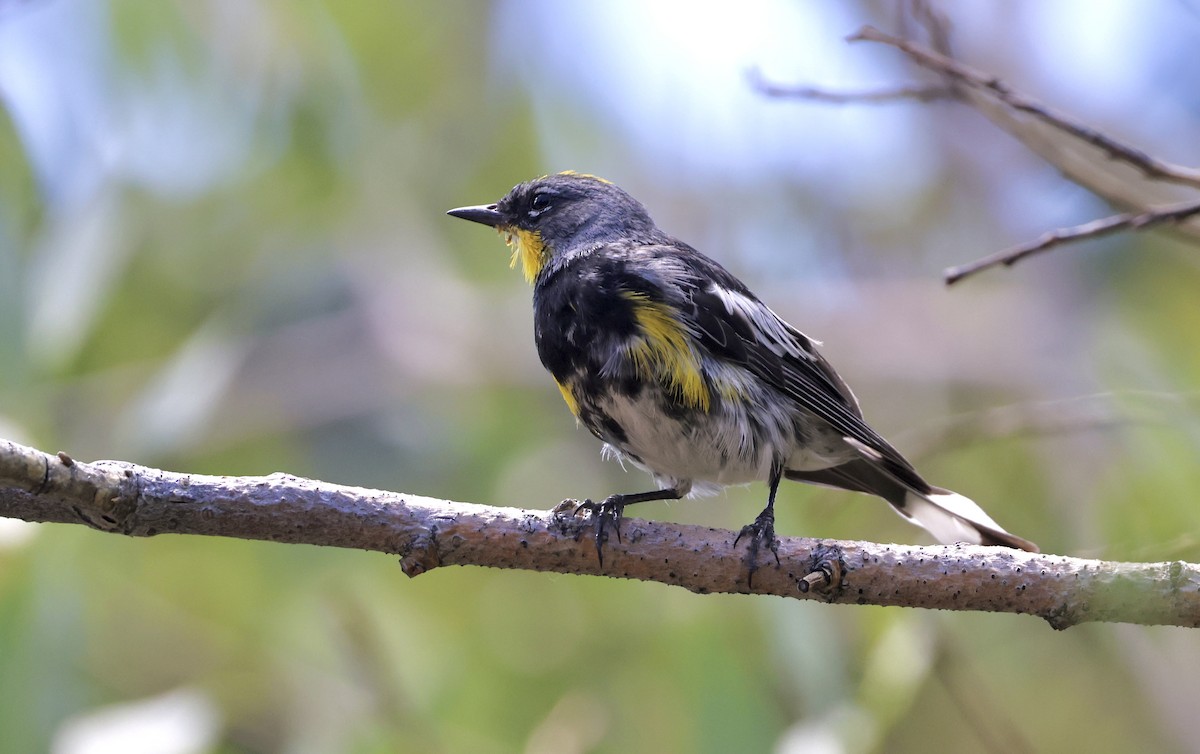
[(223, 249)]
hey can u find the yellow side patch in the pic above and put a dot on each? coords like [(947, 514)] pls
[(527, 247), (569, 397), (663, 352)]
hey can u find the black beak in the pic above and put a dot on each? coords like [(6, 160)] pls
[(483, 213)]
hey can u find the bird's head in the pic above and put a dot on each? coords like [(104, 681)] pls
[(557, 215)]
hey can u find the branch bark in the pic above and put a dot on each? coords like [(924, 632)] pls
[(124, 498)]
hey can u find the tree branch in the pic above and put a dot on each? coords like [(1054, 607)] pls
[(124, 498), (1093, 229), (917, 93), (999, 102), (979, 81), (1061, 140)]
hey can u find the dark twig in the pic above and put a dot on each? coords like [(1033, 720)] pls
[(1085, 413), (959, 79), (936, 25), (989, 720), (1094, 229), (817, 94), (977, 80)]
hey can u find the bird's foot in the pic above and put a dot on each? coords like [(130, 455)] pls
[(761, 532), (606, 512)]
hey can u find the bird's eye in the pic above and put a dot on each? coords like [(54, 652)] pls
[(540, 203)]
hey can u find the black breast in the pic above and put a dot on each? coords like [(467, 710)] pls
[(581, 317)]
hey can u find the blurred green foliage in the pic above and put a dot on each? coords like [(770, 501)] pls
[(234, 260)]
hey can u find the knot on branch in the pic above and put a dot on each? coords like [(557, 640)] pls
[(421, 554), (826, 572), (113, 503)]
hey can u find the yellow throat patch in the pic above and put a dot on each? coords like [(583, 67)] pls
[(528, 249), (569, 397), (663, 353)]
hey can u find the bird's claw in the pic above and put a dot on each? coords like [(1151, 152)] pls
[(609, 510), (762, 530)]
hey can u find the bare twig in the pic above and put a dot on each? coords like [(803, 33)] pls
[(997, 732), (124, 498), (970, 77), (817, 94), (935, 23), (984, 91), (1094, 229), (1085, 413)]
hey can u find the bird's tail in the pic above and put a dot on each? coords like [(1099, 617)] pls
[(948, 516), (951, 517)]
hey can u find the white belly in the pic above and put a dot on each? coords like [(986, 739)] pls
[(714, 449)]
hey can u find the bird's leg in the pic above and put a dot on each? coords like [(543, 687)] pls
[(613, 508), (763, 528)]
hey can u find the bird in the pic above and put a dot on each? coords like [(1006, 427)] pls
[(681, 370)]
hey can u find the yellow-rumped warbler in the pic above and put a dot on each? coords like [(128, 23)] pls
[(678, 368)]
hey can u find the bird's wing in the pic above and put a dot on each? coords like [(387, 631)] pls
[(733, 324)]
